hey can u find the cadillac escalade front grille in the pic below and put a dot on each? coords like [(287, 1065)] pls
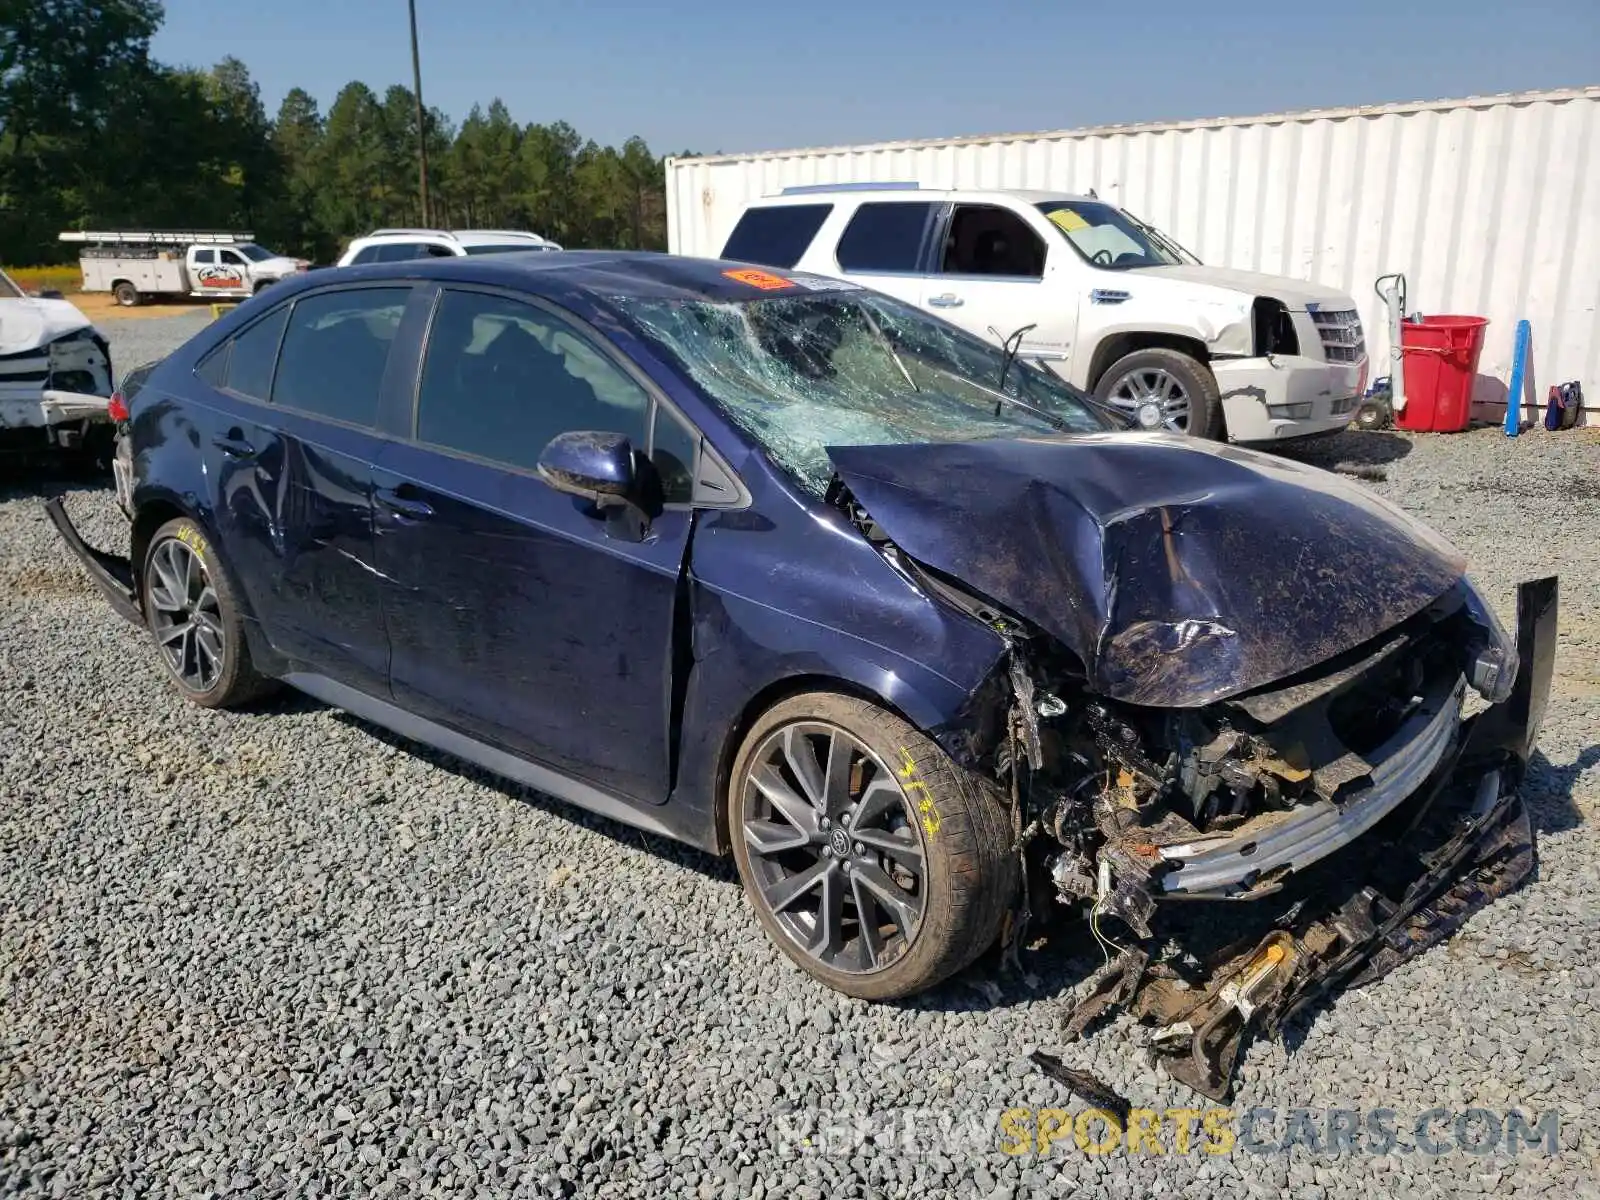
[(1340, 330)]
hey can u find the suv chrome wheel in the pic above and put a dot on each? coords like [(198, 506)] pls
[(1154, 398)]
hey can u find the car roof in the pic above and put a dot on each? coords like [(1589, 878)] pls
[(601, 275), (463, 237), (815, 193)]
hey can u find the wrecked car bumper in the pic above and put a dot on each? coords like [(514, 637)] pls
[(1287, 396), (111, 573), (1237, 863), (1460, 840), (52, 418)]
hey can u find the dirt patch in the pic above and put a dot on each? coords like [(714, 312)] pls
[(44, 582), (102, 305)]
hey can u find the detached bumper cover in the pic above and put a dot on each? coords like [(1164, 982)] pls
[(1462, 840), (111, 573)]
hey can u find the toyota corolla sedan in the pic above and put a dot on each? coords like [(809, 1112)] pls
[(786, 569)]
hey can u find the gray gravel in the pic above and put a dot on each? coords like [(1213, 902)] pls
[(279, 954)]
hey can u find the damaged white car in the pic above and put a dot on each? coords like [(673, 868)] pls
[(55, 376)]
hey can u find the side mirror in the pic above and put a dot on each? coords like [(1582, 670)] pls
[(51, 294), (595, 466)]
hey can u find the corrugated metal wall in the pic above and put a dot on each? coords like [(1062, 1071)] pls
[(1489, 206)]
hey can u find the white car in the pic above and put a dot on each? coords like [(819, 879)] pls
[(1110, 304), (55, 375), (397, 245)]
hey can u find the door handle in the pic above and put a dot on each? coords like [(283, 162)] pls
[(403, 506), (234, 446), (948, 300)]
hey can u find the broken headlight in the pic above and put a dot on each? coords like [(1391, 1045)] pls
[(1491, 665)]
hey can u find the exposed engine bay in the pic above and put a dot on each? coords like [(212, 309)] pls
[(1317, 830)]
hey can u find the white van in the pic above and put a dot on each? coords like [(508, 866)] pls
[(1112, 305)]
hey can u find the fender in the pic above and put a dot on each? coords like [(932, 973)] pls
[(734, 678)]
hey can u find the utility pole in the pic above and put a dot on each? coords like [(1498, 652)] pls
[(422, 128)]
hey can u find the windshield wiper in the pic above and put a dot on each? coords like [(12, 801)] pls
[(1000, 398), (1011, 345), (889, 346)]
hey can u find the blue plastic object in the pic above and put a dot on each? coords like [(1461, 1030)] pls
[(1519, 367)]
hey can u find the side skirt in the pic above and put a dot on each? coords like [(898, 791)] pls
[(490, 758)]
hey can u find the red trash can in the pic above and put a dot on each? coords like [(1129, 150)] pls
[(1440, 355)]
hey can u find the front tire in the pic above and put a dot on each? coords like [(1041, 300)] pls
[(1164, 389), (871, 859), (193, 613)]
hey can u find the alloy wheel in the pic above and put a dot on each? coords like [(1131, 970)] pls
[(1154, 398), (834, 847), (186, 615)]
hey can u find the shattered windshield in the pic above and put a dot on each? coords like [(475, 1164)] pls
[(853, 368), (1109, 237)]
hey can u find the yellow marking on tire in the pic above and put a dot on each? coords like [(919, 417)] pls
[(913, 783), (195, 540)]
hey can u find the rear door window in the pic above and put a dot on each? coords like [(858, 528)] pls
[(886, 236), (335, 349), (777, 235)]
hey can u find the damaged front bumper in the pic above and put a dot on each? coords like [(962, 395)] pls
[(1429, 856)]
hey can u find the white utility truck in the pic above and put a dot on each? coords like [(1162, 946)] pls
[(133, 264)]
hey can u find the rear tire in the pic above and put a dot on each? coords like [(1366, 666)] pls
[(192, 611), (901, 833), (1166, 379), (126, 294)]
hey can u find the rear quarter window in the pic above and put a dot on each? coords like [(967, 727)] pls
[(776, 236)]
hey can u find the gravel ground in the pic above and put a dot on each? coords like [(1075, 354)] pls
[(281, 953)]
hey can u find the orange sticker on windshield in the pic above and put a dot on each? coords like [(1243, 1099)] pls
[(765, 280)]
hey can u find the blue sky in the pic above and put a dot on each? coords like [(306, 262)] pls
[(719, 75)]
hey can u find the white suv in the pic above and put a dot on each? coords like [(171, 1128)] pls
[(1110, 304), (397, 245)]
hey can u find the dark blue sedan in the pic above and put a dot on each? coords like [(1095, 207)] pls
[(780, 566)]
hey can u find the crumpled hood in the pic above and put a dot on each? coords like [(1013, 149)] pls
[(1295, 293), (1178, 571), (28, 323)]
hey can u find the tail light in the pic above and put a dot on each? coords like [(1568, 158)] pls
[(117, 408)]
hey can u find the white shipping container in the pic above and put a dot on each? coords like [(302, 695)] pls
[(1489, 206)]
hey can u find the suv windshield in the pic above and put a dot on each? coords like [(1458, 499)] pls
[(8, 289), (1109, 237), (853, 368)]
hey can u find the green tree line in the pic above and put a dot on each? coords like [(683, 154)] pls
[(94, 133)]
